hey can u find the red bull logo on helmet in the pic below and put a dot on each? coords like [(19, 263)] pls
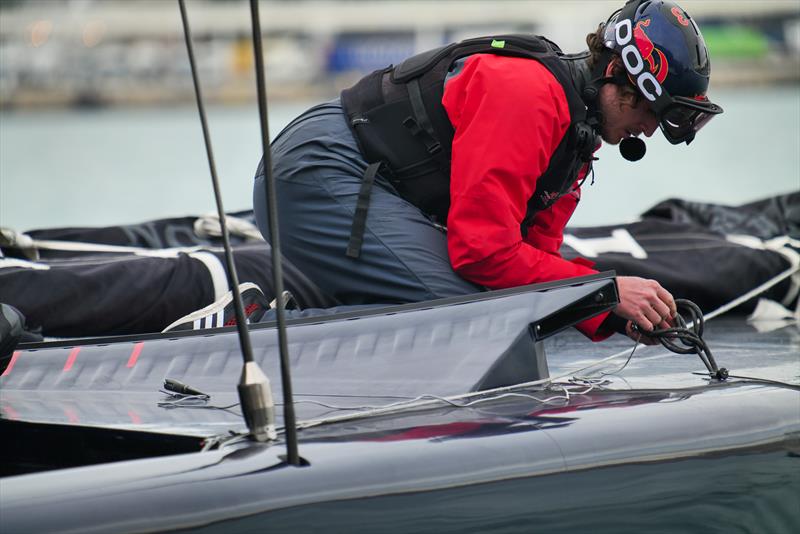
[(654, 57), (647, 80)]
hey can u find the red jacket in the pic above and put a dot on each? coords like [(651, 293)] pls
[(509, 115)]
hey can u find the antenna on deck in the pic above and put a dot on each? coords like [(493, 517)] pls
[(293, 457), (254, 391)]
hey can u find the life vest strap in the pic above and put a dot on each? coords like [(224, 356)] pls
[(362, 208)]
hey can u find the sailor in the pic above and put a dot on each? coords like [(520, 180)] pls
[(457, 170)]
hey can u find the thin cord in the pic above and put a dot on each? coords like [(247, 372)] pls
[(758, 380), (753, 292), (183, 402), (624, 365), (178, 400), (217, 442), (197, 401)]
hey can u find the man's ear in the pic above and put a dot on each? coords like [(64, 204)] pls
[(614, 63)]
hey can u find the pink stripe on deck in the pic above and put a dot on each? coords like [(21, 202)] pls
[(10, 412), (71, 359), (137, 348), (72, 417), (11, 363)]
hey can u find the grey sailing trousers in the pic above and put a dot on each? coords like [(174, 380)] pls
[(318, 170)]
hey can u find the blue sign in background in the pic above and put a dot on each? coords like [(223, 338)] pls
[(367, 52)]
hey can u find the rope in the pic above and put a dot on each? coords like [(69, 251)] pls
[(691, 336)]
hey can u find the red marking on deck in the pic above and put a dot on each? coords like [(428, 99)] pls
[(11, 363), (11, 413), (71, 359), (432, 431), (72, 417), (137, 348), (135, 418)]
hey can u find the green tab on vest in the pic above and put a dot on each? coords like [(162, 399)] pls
[(498, 44)]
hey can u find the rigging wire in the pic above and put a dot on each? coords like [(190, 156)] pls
[(197, 404), (624, 365), (198, 401), (757, 380)]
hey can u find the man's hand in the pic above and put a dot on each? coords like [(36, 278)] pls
[(644, 302)]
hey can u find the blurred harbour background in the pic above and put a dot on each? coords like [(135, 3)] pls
[(98, 124)]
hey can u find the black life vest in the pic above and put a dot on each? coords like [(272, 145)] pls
[(402, 128)]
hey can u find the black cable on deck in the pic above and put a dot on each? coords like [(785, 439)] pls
[(690, 337)]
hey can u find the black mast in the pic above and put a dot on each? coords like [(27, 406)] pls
[(254, 393), (277, 270)]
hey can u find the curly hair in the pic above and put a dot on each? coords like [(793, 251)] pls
[(596, 47)]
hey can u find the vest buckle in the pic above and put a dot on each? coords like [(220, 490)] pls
[(432, 145)]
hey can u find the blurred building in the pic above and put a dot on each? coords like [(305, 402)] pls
[(98, 52)]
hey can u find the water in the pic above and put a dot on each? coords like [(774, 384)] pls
[(94, 168)]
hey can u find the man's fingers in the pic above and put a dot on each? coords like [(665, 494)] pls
[(645, 302), (667, 299), (662, 310), (644, 323), (653, 318)]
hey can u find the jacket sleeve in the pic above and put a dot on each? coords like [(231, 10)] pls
[(509, 115)]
